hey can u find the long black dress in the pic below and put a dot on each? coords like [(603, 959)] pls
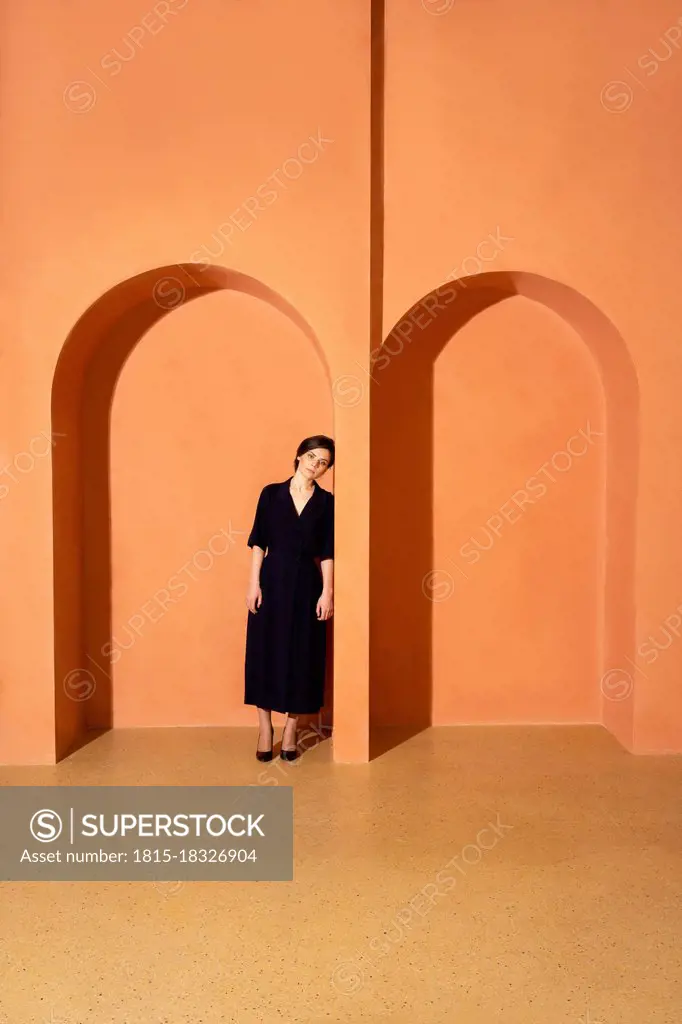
[(285, 641)]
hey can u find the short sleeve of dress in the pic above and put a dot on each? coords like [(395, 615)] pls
[(259, 531), (328, 530)]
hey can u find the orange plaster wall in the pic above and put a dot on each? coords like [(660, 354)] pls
[(530, 149), (112, 171), (551, 127), (517, 522), (183, 499)]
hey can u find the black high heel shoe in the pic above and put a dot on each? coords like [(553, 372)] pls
[(263, 755)]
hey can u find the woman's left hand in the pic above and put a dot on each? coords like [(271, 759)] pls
[(325, 606)]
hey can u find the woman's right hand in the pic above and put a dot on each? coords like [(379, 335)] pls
[(254, 597)]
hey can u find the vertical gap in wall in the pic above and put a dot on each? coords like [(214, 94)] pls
[(376, 251), (376, 237), (602, 596)]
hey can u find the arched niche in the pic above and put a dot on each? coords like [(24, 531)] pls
[(401, 544), (84, 383)]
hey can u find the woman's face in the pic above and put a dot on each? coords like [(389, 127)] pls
[(315, 463)]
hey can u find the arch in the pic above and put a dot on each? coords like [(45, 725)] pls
[(402, 418), (83, 386)]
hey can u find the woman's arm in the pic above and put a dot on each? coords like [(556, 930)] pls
[(256, 563), (325, 605), (254, 593), (258, 542), (327, 567), (254, 596)]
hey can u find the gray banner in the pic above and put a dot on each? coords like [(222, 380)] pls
[(146, 833)]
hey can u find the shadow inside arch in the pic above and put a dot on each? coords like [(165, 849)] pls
[(401, 503), (85, 379)]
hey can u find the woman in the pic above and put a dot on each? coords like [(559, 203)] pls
[(290, 596)]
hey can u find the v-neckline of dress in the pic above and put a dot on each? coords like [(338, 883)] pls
[(291, 497)]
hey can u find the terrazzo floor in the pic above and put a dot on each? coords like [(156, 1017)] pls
[(467, 876)]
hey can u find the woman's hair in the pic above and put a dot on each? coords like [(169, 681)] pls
[(317, 441)]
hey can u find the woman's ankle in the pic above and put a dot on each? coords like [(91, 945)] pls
[(289, 732)]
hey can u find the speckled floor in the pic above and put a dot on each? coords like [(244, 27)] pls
[(469, 876)]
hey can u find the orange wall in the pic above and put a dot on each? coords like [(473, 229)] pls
[(517, 522), (510, 149), (184, 487), (181, 140), (507, 122)]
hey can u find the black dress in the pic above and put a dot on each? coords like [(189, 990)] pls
[(285, 641)]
